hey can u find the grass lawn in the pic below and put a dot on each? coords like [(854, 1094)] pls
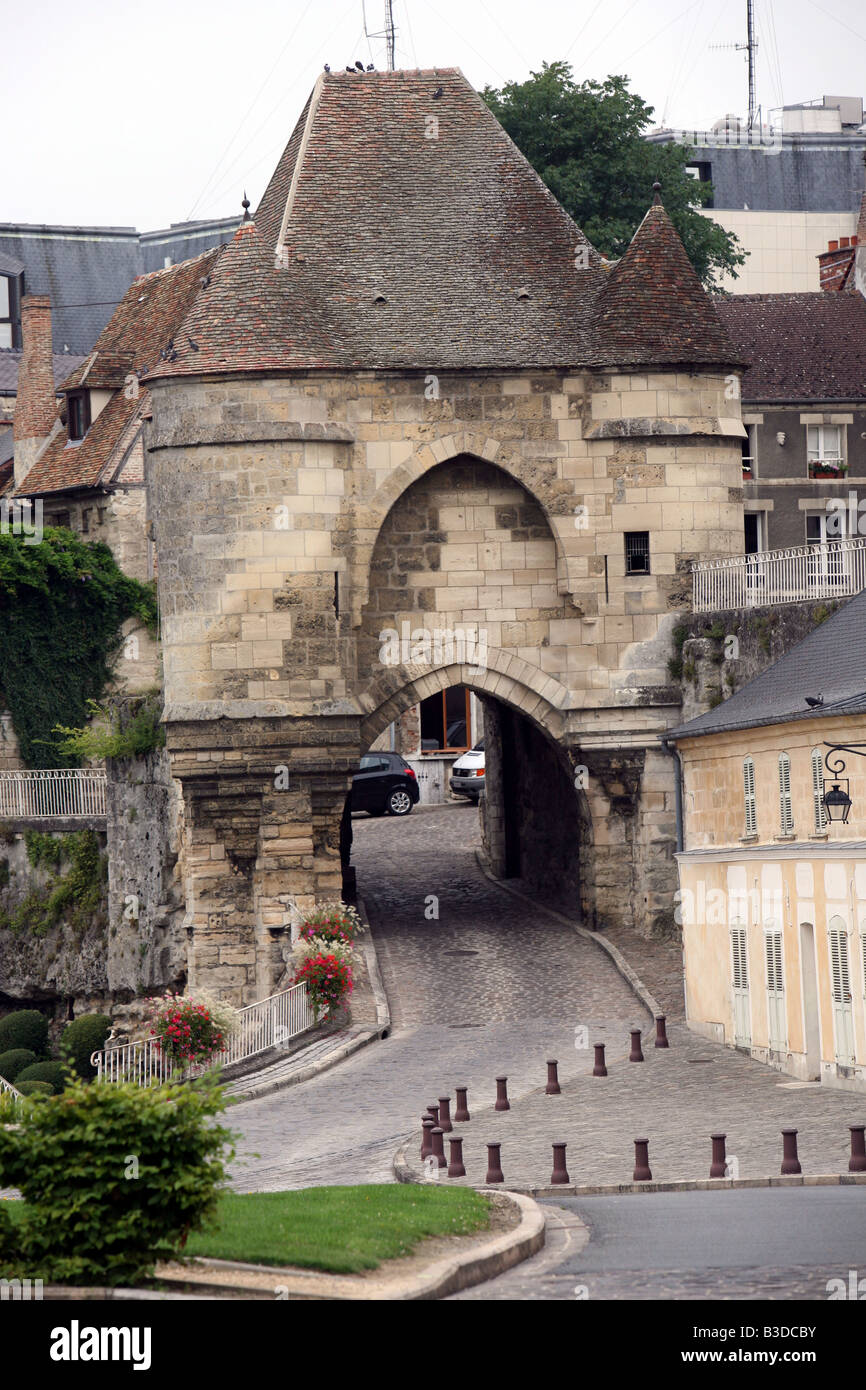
[(339, 1229)]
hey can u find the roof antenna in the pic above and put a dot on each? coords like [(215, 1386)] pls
[(389, 33), (246, 207)]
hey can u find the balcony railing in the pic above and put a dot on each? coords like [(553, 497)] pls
[(836, 569), (42, 793), (266, 1024)]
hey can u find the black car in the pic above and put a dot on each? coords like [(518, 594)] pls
[(385, 782)]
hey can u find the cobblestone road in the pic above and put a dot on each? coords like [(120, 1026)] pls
[(458, 1019)]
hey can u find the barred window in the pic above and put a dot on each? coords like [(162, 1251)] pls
[(637, 552)]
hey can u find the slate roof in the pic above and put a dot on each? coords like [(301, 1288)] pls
[(654, 309), (831, 662), (408, 252), (10, 359), (802, 347), (87, 270), (144, 321)]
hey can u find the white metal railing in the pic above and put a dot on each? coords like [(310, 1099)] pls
[(7, 1089), (266, 1024), (834, 569), (52, 791)]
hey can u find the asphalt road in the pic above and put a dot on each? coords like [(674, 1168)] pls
[(752, 1244)]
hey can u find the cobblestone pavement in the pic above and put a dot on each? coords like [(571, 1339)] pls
[(743, 1245), (676, 1098), (457, 1019)]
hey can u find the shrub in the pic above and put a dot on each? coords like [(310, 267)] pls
[(328, 979), (113, 1179), (24, 1028), (80, 1038), (53, 1072), (14, 1061), (36, 1088)]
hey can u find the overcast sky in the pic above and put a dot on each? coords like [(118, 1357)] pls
[(146, 114)]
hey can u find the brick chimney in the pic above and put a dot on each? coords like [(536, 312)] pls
[(35, 404), (835, 263)]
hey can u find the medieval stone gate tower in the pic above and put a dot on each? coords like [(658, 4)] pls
[(410, 391)]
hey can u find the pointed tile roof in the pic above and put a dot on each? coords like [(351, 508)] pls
[(145, 319), (654, 310), (413, 235)]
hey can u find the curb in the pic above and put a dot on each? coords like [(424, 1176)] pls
[(629, 975), (445, 1276), (367, 1034), (694, 1185)]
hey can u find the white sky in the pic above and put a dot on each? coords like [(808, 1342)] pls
[(143, 114)]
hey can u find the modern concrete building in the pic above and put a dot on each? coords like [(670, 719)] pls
[(786, 189)]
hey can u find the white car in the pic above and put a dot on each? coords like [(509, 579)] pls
[(467, 774)]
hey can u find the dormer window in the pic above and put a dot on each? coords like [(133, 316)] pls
[(78, 413)]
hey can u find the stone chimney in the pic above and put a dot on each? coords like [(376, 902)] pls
[(35, 404)]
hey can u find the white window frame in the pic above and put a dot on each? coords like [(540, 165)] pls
[(739, 939), (825, 444), (786, 805), (819, 810)]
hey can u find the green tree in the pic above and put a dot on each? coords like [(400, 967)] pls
[(585, 141)]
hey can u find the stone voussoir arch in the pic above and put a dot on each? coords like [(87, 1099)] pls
[(426, 457), (525, 688)]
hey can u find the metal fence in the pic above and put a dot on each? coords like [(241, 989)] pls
[(835, 569), (42, 793), (266, 1024)]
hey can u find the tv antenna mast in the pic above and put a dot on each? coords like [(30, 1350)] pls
[(750, 48), (389, 33)]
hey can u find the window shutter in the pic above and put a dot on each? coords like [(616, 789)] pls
[(739, 958), (818, 791), (773, 950), (749, 793), (786, 814), (863, 952), (839, 966)]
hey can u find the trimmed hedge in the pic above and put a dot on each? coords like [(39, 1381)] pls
[(36, 1088), (14, 1061), (52, 1072), (83, 1036), (24, 1028)]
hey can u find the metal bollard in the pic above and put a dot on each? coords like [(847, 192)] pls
[(661, 1031), (636, 1055), (790, 1161), (445, 1114), (560, 1172), (552, 1087), (461, 1114), (426, 1142), (494, 1164), (599, 1069), (719, 1164), (455, 1167), (502, 1094), (641, 1161), (439, 1146), (857, 1161)]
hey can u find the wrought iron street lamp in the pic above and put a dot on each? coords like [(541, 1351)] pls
[(837, 802)]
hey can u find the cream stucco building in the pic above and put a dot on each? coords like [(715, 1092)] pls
[(772, 890)]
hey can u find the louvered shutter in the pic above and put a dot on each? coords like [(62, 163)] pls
[(786, 814), (777, 1021), (749, 793), (840, 982), (740, 987), (820, 810)]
